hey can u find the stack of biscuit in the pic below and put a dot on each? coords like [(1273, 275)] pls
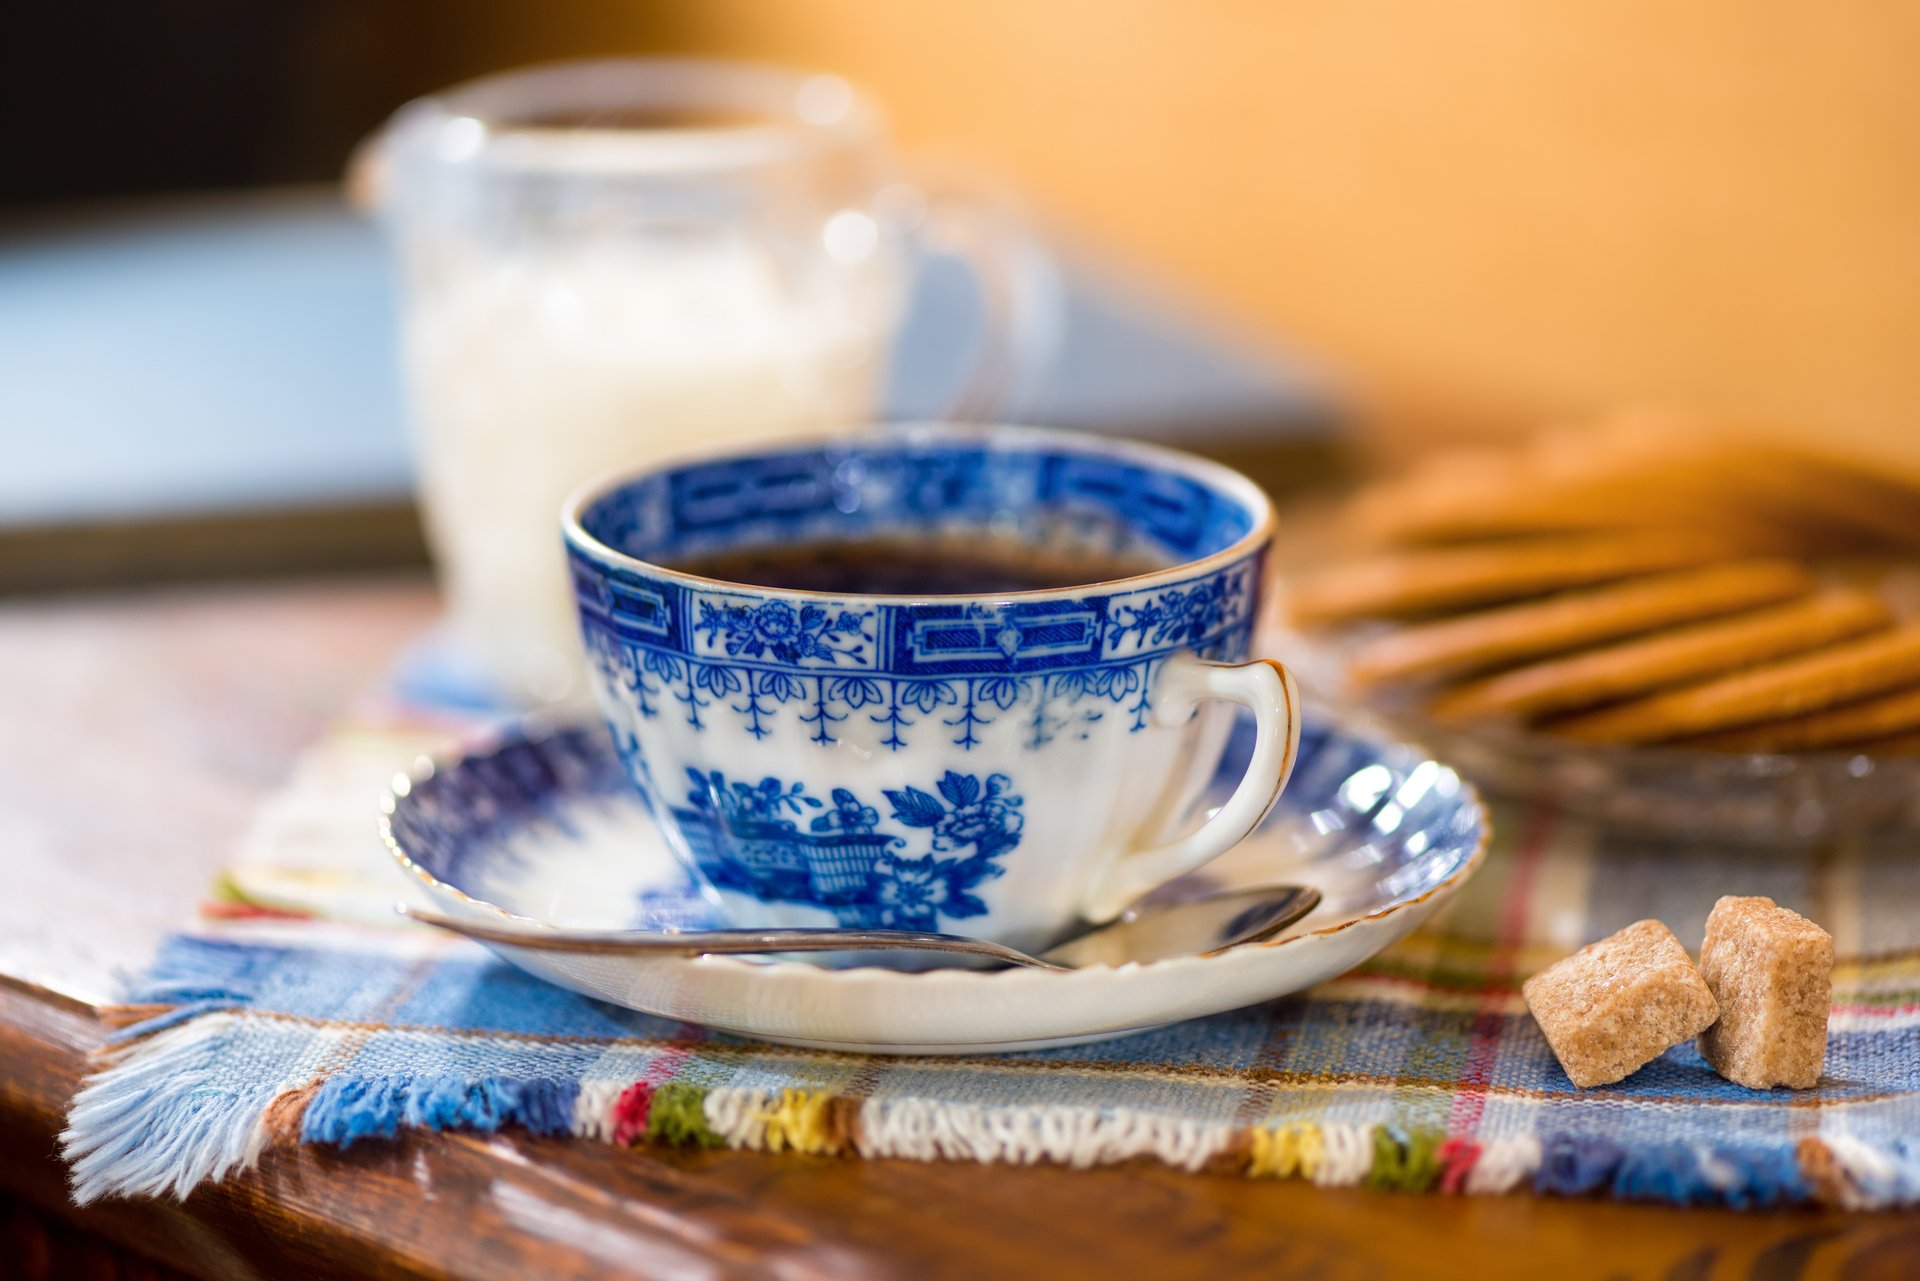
[(1643, 579)]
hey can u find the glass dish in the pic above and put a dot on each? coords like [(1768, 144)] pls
[(1782, 800)]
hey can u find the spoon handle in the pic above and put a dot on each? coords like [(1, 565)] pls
[(719, 942)]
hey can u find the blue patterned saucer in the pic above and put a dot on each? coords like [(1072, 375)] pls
[(543, 828)]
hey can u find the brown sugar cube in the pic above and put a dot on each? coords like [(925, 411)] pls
[(1616, 1005), (1771, 970)]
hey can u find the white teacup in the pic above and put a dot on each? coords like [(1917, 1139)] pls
[(1000, 762)]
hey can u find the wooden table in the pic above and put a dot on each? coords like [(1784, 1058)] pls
[(136, 734)]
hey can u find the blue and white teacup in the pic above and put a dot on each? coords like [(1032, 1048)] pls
[(999, 765)]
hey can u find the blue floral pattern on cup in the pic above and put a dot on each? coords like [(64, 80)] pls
[(784, 634), (748, 837)]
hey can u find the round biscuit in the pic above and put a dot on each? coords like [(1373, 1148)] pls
[(1825, 678), (1397, 584), (1575, 619), (1639, 667)]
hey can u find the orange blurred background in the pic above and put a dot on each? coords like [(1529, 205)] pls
[(1484, 214)]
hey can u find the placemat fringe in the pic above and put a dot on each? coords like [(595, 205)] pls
[(347, 1109), (150, 1123)]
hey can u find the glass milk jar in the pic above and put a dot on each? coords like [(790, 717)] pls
[(608, 263)]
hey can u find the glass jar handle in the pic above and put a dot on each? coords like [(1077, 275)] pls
[(1019, 282)]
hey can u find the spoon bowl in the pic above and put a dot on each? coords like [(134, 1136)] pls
[(1199, 926)]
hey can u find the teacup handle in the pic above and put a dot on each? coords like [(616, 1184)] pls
[(1266, 687)]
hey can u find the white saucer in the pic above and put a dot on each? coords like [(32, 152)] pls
[(544, 829)]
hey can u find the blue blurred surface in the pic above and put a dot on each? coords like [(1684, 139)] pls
[(238, 354)]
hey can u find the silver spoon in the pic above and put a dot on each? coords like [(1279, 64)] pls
[(1201, 926)]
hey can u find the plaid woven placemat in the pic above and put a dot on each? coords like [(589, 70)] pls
[(297, 1012)]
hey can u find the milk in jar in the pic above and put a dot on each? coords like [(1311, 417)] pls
[(531, 376)]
